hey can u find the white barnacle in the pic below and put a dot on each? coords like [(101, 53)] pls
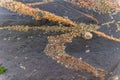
[(87, 35), (87, 51)]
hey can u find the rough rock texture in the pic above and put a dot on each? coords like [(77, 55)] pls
[(22, 52)]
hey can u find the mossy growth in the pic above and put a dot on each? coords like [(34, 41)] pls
[(2, 69)]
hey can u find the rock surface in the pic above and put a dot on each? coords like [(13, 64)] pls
[(22, 52)]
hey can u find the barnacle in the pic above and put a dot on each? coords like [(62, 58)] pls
[(87, 35), (56, 49), (83, 28), (38, 14), (56, 44), (118, 28), (101, 6)]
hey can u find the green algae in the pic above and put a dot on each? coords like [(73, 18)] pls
[(2, 69)]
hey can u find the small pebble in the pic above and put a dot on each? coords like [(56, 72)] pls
[(26, 58), (87, 51), (31, 37), (23, 50), (58, 61), (16, 57), (18, 38), (8, 39), (86, 46), (22, 67), (117, 48), (80, 58), (34, 70), (4, 39), (66, 66)]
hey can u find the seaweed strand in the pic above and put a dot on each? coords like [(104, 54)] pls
[(38, 14)]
